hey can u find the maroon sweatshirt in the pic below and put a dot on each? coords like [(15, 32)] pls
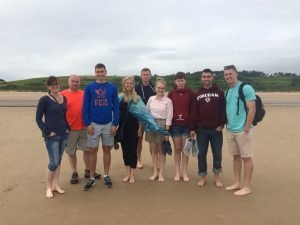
[(208, 108), (182, 102)]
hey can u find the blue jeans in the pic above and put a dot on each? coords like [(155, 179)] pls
[(215, 138), (55, 146)]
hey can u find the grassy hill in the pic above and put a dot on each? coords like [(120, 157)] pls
[(260, 83)]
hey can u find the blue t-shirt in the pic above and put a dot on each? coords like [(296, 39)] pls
[(236, 123), (100, 104)]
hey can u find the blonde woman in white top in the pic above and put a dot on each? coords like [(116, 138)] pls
[(160, 106)]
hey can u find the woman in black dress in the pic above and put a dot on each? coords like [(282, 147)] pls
[(130, 126)]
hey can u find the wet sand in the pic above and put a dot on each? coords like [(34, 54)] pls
[(275, 199)]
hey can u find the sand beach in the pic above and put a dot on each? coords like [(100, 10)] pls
[(275, 199)]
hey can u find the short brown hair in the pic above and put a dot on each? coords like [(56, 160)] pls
[(99, 66), (146, 70), (180, 75), (207, 71)]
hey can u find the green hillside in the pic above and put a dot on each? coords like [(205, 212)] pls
[(260, 81)]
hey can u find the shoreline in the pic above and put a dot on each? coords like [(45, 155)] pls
[(30, 99)]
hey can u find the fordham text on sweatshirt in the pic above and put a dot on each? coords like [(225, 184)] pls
[(208, 108)]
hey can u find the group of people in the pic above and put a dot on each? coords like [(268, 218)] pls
[(74, 119)]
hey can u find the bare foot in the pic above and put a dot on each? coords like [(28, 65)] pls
[(186, 178), (139, 165), (126, 179), (218, 182), (131, 180), (161, 179), (153, 177), (202, 182), (177, 178), (243, 191), (233, 187), (49, 193), (58, 190)]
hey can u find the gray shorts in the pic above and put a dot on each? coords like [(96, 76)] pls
[(77, 139), (102, 131)]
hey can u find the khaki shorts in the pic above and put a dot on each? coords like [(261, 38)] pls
[(155, 137), (77, 139), (240, 143)]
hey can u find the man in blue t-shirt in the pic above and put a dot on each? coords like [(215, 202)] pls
[(239, 130), (101, 116)]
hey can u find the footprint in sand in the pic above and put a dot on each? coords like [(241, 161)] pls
[(10, 188)]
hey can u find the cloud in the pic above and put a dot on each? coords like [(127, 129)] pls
[(40, 38)]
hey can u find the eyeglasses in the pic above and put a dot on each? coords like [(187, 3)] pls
[(229, 67)]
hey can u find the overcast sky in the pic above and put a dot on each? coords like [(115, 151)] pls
[(59, 37)]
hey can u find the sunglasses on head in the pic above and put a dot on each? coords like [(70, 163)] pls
[(229, 67)]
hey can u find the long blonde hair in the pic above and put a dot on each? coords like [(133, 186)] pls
[(132, 94)]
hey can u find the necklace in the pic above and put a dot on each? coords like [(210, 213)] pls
[(55, 99)]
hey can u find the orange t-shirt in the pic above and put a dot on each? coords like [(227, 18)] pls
[(74, 109)]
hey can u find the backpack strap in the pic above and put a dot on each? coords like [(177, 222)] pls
[(242, 98), (226, 93)]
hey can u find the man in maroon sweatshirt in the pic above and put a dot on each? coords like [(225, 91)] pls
[(207, 122)]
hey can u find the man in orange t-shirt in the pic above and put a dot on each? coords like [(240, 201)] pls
[(77, 138)]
